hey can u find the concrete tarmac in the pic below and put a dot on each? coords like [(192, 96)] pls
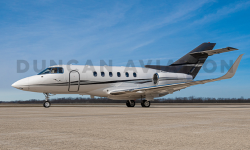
[(118, 127)]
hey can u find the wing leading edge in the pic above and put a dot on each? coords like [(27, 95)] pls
[(170, 88)]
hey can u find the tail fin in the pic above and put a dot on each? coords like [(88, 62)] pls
[(192, 62), (189, 59)]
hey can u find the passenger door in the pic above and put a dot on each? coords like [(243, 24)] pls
[(74, 81)]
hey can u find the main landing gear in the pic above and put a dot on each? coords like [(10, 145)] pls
[(130, 103), (47, 103), (144, 103)]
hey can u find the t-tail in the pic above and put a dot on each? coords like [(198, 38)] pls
[(192, 62)]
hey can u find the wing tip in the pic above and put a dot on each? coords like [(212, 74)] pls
[(231, 72)]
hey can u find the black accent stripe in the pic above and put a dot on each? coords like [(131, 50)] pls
[(87, 82)]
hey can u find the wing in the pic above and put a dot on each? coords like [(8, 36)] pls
[(170, 88)]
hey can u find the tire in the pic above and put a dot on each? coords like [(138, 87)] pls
[(131, 103), (142, 104), (46, 104), (128, 104), (145, 103)]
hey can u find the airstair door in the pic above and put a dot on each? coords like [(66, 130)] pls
[(74, 81)]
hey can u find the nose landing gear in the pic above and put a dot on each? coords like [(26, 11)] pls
[(47, 103)]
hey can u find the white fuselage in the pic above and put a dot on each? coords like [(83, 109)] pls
[(79, 79)]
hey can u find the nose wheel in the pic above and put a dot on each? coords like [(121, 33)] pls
[(47, 103)]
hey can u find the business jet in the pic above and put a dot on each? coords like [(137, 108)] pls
[(125, 83)]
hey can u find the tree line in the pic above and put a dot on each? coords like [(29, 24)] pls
[(160, 100)]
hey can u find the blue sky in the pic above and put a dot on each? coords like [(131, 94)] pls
[(120, 31)]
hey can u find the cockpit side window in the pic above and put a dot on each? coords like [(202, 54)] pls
[(52, 70), (60, 70)]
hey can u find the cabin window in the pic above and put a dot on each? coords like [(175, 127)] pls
[(94, 73), (134, 74), (110, 74), (126, 74), (118, 74), (102, 74)]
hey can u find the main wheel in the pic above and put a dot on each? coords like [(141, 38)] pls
[(130, 103), (145, 103), (46, 104), (127, 104)]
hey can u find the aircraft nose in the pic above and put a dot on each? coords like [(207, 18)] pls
[(22, 84)]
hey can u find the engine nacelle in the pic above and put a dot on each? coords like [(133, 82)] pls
[(169, 78)]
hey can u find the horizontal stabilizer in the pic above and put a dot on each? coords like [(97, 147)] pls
[(212, 52)]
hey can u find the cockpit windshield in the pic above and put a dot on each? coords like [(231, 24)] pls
[(52, 70), (46, 71)]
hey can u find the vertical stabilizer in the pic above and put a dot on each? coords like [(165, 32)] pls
[(189, 63)]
